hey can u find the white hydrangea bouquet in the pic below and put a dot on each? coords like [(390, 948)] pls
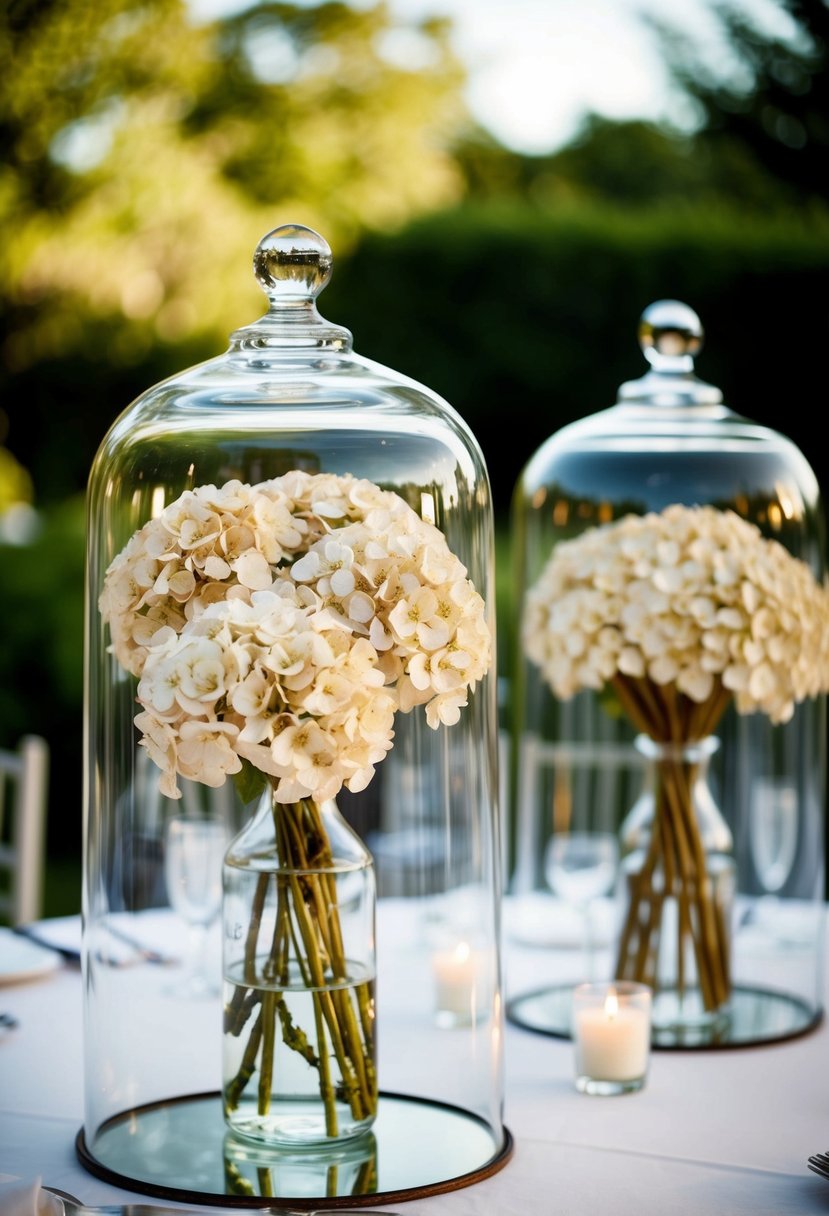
[(275, 630), (680, 614)]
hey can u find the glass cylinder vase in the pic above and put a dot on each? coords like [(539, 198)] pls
[(678, 876), (299, 1061)]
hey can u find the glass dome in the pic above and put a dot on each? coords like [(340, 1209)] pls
[(667, 451), (290, 546)]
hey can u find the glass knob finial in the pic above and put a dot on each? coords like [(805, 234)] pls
[(670, 335), (292, 263)]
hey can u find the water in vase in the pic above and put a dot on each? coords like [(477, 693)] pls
[(298, 1061)]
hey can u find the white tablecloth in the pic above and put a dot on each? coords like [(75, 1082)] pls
[(724, 1131)]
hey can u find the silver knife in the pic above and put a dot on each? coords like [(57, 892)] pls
[(74, 1207)]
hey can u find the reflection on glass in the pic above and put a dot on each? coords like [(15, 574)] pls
[(193, 871), (773, 837), (755, 1016), (182, 1147), (773, 834), (276, 1172), (579, 868)]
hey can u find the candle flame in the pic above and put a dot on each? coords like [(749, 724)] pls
[(611, 1004), (462, 952)]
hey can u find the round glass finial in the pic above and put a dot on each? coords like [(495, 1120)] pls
[(292, 263), (670, 335)]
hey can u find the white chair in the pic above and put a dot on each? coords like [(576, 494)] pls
[(24, 779)]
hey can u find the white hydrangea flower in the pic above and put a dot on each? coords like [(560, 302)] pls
[(686, 598), (205, 751), (285, 624)]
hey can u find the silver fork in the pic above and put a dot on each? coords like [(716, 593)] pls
[(819, 1162), (145, 953), (140, 952), (74, 1207)]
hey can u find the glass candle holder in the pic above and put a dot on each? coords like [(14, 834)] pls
[(460, 976), (612, 1035)]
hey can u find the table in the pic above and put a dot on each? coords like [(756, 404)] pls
[(720, 1131)]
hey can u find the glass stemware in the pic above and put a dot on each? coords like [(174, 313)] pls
[(580, 867), (773, 833), (773, 843), (193, 858)]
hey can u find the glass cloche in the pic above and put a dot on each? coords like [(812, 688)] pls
[(292, 875), (668, 705)]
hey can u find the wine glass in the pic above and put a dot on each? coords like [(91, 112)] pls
[(772, 839), (579, 867), (193, 858)]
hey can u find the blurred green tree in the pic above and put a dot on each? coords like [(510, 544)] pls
[(142, 156), (638, 164), (773, 106), (760, 140), (145, 155), (626, 164)]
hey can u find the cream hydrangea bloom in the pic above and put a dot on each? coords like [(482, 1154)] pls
[(285, 624), (685, 597)]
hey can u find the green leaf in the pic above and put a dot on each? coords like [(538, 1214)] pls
[(250, 782), (610, 702)]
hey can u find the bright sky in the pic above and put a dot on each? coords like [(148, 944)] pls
[(536, 66)]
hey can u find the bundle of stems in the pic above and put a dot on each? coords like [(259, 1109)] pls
[(307, 938), (674, 865)]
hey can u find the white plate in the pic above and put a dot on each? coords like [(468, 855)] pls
[(61, 933), (21, 959)]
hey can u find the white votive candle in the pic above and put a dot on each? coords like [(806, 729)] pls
[(612, 1035), (457, 973)]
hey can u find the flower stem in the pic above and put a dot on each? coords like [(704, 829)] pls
[(675, 864), (308, 936), (234, 1091), (266, 1063)]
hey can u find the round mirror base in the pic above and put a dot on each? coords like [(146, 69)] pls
[(181, 1149), (754, 1016)]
